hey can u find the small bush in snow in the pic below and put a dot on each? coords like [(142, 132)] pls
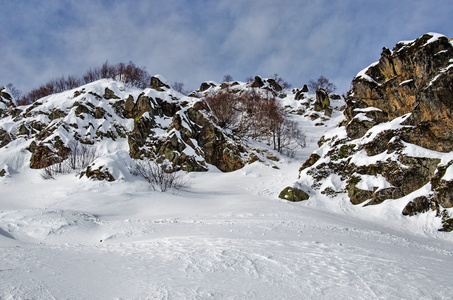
[(49, 172), (81, 155), (157, 177)]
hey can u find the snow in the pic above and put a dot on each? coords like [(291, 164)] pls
[(434, 37), (406, 81), (392, 125), (362, 74), (162, 79), (367, 109), (362, 159), (369, 182), (362, 117), (225, 236)]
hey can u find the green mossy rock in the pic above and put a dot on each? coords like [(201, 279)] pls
[(293, 194), (109, 94)]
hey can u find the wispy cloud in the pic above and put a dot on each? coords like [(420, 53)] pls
[(204, 40)]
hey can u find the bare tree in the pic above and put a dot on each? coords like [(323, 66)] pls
[(249, 79), (283, 83), (227, 78), (179, 87), (256, 115), (322, 83), (14, 91), (224, 106)]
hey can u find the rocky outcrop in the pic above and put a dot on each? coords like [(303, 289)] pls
[(398, 134), (98, 174), (158, 83), (206, 85), (189, 130), (159, 123), (417, 78)]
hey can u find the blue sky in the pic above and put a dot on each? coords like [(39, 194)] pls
[(198, 40)]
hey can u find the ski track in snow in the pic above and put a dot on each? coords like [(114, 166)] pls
[(229, 258), (242, 246)]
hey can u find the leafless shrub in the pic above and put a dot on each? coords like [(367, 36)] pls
[(91, 75), (16, 93), (227, 78), (131, 75), (80, 156), (49, 172), (157, 177)]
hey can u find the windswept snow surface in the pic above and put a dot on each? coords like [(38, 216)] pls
[(226, 236)]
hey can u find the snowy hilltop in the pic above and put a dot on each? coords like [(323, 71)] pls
[(108, 119)]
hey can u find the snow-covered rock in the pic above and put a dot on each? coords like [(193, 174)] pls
[(397, 139)]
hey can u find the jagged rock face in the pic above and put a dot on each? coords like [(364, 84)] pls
[(189, 130), (268, 84), (398, 133), (415, 77), (205, 86)]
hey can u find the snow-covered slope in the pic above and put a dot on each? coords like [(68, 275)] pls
[(226, 235)]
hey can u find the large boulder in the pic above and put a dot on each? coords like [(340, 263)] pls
[(293, 194), (322, 100)]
